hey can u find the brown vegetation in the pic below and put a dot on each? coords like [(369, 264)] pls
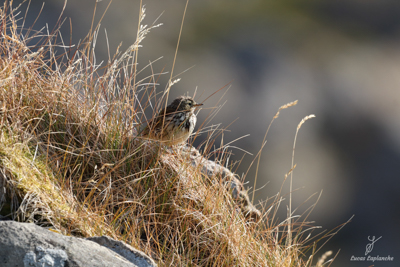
[(72, 161)]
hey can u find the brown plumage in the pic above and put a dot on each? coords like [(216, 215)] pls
[(174, 124)]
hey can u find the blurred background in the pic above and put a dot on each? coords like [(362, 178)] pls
[(340, 59)]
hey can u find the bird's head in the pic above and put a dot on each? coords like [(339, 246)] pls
[(183, 103)]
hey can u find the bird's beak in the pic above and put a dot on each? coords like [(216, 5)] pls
[(197, 105)]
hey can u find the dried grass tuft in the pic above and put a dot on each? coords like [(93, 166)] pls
[(72, 160)]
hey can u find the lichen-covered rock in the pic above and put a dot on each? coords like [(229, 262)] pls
[(28, 245), (123, 249), (213, 170)]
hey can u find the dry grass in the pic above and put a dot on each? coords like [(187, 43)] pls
[(72, 159)]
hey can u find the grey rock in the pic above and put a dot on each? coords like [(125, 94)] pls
[(28, 245), (214, 170), (123, 249), (45, 257)]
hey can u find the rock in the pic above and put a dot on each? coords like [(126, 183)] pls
[(212, 170), (26, 245), (46, 257), (123, 249)]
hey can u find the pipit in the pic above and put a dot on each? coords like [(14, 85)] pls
[(174, 124)]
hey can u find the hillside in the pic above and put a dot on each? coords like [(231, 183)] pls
[(71, 159)]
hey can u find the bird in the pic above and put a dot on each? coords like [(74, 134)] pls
[(174, 124)]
